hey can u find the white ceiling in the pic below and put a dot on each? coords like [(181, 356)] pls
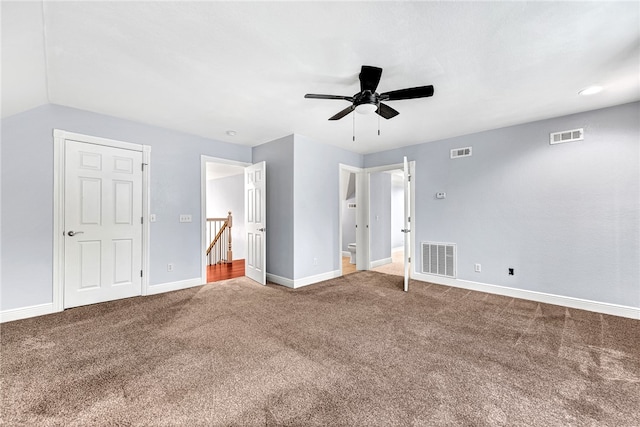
[(222, 170), (208, 67)]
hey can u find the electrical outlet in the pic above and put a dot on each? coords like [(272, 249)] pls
[(478, 268), (169, 267), (315, 261), (185, 218)]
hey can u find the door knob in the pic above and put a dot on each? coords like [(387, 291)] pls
[(262, 229), (73, 233)]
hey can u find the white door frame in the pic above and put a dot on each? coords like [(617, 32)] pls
[(59, 136), (367, 203), (358, 171), (203, 206)]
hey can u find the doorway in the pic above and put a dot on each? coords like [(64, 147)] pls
[(224, 214), (387, 220), (350, 180), (380, 249)]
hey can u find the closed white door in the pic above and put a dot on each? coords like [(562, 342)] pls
[(407, 225), (255, 182), (102, 223)]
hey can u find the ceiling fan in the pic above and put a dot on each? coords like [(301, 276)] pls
[(368, 100)]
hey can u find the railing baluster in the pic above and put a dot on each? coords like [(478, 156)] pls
[(218, 232)]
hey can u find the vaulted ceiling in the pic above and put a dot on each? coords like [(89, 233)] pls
[(209, 67)]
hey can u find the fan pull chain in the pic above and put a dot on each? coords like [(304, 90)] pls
[(354, 127), (378, 122)]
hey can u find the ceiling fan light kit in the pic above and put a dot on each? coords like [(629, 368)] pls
[(366, 108)]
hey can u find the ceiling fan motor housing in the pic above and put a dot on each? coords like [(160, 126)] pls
[(366, 97)]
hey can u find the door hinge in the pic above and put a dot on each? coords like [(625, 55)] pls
[(141, 220), (140, 273), (409, 177), (409, 219), (143, 165), (409, 259)]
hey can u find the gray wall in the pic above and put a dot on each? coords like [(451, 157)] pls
[(27, 196), (566, 216), (316, 205), (380, 216), (224, 195), (279, 157)]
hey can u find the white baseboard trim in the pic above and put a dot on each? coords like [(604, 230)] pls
[(571, 302), (346, 253), (381, 262), (305, 281), (26, 312), (174, 286), (398, 249)]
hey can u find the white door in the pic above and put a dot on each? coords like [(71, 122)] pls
[(407, 225), (255, 182), (102, 223)]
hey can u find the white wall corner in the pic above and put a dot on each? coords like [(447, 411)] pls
[(577, 303)]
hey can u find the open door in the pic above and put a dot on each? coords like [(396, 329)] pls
[(407, 225), (255, 182)]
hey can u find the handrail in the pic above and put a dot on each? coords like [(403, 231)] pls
[(215, 240), (216, 252)]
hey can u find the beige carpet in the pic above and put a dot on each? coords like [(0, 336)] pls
[(353, 351)]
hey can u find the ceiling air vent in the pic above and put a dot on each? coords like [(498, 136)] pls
[(566, 136), (461, 152), (439, 259)]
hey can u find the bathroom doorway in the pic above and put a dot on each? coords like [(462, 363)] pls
[(349, 214)]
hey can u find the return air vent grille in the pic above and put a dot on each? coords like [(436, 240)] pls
[(439, 259), (461, 152), (566, 136)]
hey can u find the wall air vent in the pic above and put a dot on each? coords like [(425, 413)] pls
[(566, 136), (461, 152), (439, 259)]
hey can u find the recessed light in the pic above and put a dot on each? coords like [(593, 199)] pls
[(231, 132), (591, 90)]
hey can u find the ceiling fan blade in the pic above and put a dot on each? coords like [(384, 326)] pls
[(369, 78), (386, 111), (343, 113), (410, 93), (315, 96)]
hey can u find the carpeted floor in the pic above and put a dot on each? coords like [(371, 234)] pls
[(354, 351)]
